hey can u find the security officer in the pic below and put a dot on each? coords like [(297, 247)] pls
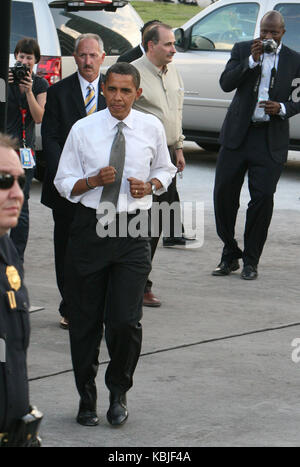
[(18, 421)]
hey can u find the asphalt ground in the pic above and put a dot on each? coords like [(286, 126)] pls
[(219, 364)]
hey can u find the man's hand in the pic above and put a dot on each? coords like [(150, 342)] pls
[(106, 176), (256, 49), (180, 160), (138, 188), (271, 107)]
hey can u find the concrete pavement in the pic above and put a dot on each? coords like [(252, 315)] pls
[(216, 366)]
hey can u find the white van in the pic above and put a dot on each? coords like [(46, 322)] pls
[(204, 44), (119, 28), (56, 24), (32, 18)]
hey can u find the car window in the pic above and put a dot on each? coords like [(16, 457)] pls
[(22, 23), (223, 27), (105, 24), (291, 14)]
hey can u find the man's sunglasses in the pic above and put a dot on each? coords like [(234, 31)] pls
[(7, 181)]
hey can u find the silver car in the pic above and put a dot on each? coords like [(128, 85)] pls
[(204, 44)]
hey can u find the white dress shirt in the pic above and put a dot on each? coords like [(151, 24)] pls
[(268, 62), (87, 150), (84, 85)]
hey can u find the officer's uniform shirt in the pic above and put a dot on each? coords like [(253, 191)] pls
[(14, 337)]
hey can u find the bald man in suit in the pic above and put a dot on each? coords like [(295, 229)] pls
[(255, 139), (65, 105)]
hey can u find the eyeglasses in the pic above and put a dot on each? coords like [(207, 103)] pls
[(7, 181)]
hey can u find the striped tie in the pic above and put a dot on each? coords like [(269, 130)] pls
[(90, 100)]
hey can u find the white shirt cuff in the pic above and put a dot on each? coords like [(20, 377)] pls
[(282, 112), (252, 63)]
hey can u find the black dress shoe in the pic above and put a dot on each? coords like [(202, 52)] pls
[(87, 417), (225, 268), (117, 413), (249, 272)]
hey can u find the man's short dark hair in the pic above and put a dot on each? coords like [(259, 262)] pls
[(28, 45), (153, 34), (123, 68), (274, 14), (146, 25)]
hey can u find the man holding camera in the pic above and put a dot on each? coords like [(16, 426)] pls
[(18, 421), (26, 102), (254, 139)]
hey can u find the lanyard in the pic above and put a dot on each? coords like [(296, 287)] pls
[(23, 115), (272, 78)]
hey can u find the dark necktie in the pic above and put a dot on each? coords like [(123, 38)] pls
[(110, 193)]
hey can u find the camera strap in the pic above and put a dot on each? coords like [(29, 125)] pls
[(272, 77), (23, 117)]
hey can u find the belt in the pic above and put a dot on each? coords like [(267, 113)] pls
[(259, 124)]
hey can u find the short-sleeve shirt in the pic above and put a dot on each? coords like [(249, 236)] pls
[(14, 337), (14, 119)]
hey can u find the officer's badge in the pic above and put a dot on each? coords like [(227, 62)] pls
[(13, 277)]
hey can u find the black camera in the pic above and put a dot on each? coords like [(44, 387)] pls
[(19, 71), (269, 46)]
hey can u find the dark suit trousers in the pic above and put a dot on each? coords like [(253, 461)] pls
[(104, 285), (170, 196), (20, 233), (62, 223), (263, 175)]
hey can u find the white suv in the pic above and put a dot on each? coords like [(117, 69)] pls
[(118, 25), (204, 44), (32, 18), (55, 25)]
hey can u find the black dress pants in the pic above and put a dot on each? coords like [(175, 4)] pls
[(254, 157), (62, 223), (104, 285), (170, 196)]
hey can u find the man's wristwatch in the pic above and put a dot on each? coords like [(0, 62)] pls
[(153, 187)]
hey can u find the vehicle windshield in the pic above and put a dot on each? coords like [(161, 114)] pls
[(291, 14), (22, 23), (119, 30)]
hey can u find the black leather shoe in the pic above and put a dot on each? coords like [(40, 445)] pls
[(249, 272), (117, 413), (225, 268), (87, 418)]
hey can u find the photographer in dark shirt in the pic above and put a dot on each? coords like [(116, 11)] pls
[(26, 102)]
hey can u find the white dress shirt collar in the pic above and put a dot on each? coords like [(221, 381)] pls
[(112, 121), (84, 84)]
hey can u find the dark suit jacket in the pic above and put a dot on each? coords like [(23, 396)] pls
[(237, 75), (131, 55), (64, 106)]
